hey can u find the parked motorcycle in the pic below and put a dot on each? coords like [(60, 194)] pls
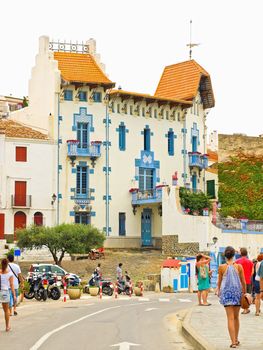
[(125, 286), (38, 287), (53, 290), (107, 285), (71, 280)]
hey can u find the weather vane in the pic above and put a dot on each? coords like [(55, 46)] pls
[(190, 45)]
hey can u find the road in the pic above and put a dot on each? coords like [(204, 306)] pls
[(122, 324)]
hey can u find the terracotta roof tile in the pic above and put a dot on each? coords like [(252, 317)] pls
[(183, 80), (80, 68), (13, 129), (212, 155)]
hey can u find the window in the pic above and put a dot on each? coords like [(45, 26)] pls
[(118, 108), (155, 113), (113, 107), (124, 108), (57, 270), (21, 154), (147, 139), (194, 144), (170, 143), (210, 188), (143, 111), (68, 95), (2, 226), (82, 218), (82, 96), (145, 179), (38, 219), (97, 96), (194, 182), (82, 181), (167, 114), (150, 112), (122, 224), (131, 110), (122, 137), (82, 135)]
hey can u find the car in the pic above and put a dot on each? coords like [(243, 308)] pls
[(52, 269)]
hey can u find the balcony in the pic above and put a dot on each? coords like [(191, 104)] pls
[(91, 150), (21, 201), (146, 196), (82, 198), (198, 160)]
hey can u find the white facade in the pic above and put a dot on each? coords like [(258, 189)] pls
[(130, 164), (37, 176)]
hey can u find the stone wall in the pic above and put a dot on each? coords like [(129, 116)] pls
[(229, 145), (171, 246)]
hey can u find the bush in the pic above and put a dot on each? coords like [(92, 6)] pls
[(195, 201)]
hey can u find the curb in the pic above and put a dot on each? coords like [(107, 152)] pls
[(192, 336)]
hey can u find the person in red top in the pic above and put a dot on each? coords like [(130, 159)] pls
[(248, 268)]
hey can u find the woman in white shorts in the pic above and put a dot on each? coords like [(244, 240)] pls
[(6, 282)]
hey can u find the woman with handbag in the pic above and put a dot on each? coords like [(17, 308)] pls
[(6, 282), (231, 287)]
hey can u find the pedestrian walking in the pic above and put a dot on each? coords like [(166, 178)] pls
[(6, 282), (203, 278), (257, 283), (231, 286), (18, 282), (248, 268)]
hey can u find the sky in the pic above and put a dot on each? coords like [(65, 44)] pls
[(137, 39)]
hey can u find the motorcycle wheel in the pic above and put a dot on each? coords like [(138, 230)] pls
[(38, 295), (44, 295), (55, 293), (127, 291), (29, 295), (107, 291)]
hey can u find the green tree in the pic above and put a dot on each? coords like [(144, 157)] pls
[(61, 239)]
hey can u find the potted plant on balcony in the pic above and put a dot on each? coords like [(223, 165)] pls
[(74, 292), (134, 190)]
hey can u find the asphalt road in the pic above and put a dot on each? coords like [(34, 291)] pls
[(98, 324)]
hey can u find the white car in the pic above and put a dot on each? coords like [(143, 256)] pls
[(53, 269)]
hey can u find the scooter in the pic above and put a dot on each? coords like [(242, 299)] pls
[(53, 290), (38, 287), (125, 286), (107, 285)]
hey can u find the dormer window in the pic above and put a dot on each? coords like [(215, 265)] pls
[(68, 95), (83, 96), (97, 96)]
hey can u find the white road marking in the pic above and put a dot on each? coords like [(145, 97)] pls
[(185, 300), (164, 300), (151, 309), (46, 336), (124, 346)]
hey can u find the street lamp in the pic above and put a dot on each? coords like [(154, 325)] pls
[(54, 197)]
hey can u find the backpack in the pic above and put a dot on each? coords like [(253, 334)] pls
[(231, 289)]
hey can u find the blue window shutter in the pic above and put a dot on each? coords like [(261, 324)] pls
[(170, 143), (83, 96), (97, 96), (147, 139), (82, 181), (122, 137)]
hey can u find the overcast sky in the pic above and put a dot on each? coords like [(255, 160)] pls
[(136, 39)]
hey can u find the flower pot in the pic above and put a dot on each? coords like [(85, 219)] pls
[(74, 293), (94, 291), (137, 292)]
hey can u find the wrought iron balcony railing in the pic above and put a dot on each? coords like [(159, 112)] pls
[(147, 196), (198, 160), (92, 150), (21, 201)]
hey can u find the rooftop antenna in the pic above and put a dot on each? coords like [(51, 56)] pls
[(190, 45)]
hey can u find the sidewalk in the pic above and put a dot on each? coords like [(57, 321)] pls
[(208, 328)]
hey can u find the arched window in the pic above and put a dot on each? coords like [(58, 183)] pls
[(38, 219)]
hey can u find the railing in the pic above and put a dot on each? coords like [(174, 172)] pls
[(240, 225), (92, 150), (196, 159), (82, 196), (21, 201), (147, 196)]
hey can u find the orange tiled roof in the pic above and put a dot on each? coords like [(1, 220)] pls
[(212, 155), (13, 129), (82, 68), (212, 170), (130, 94), (183, 80)]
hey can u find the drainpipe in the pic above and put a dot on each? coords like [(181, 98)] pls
[(107, 125), (58, 159), (184, 145)]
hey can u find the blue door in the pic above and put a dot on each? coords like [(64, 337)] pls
[(194, 144), (194, 182), (146, 223), (184, 277)]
